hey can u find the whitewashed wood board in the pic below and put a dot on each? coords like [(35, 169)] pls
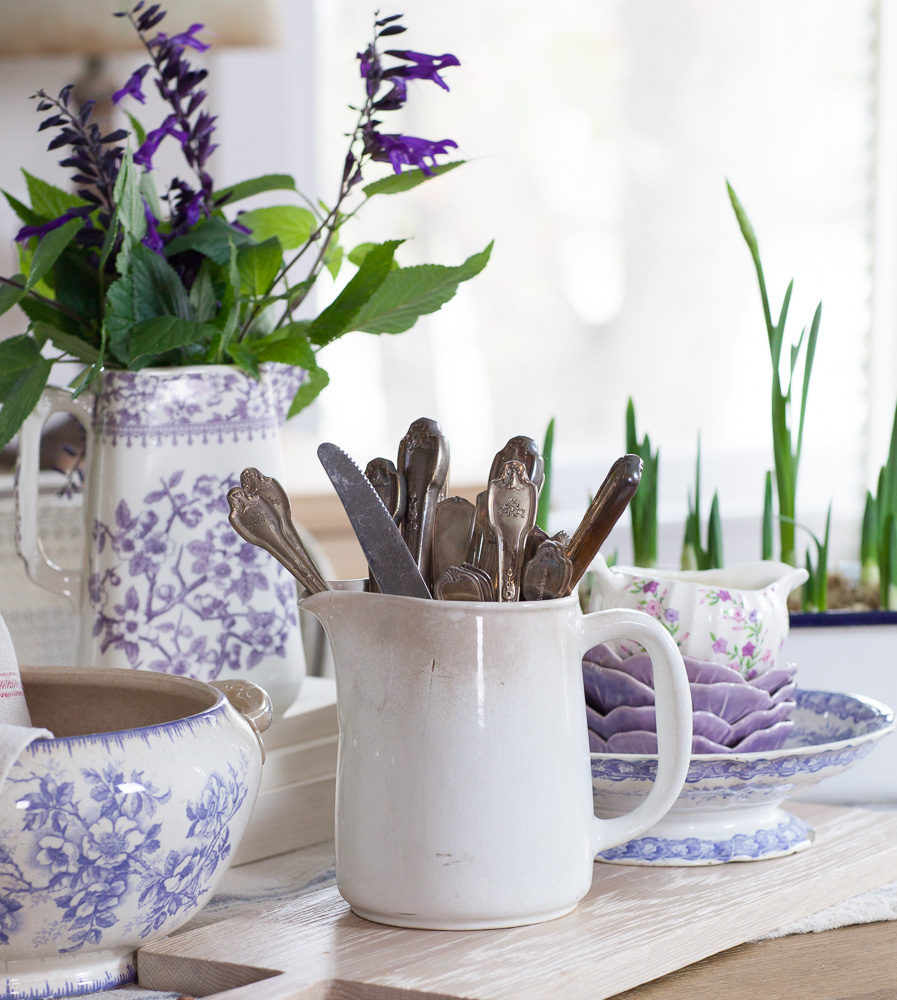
[(635, 925), (303, 762), (311, 717), (289, 817)]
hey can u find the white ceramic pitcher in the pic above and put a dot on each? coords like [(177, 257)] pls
[(464, 795)]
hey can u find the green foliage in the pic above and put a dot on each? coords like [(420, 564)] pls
[(878, 553), (544, 507), (768, 519), (643, 506), (110, 289), (695, 555), (815, 590), (787, 442)]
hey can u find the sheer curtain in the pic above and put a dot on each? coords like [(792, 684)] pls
[(601, 134)]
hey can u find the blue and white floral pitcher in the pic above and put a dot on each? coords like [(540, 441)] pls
[(166, 583)]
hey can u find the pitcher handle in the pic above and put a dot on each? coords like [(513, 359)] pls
[(674, 720), (42, 571)]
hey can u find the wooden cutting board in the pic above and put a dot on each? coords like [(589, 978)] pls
[(635, 925)]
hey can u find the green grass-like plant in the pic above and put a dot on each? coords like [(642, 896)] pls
[(696, 555), (643, 506), (787, 440)]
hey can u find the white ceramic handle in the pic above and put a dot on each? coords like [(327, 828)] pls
[(30, 547), (674, 719)]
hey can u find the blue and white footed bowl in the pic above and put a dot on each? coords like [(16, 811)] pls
[(117, 831), (731, 806)]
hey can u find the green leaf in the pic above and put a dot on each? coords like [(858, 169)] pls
[(78, 287), (166, 333), (150, 289), (128, 199), (21, 397), (396, 183), (10, 295), (77, 347), (316, 380), (258, 185), (229, 314), (291, 224), (294, 349), (17, 354), (211, 238), (37, 309), (245, 358), (48, 200), (341, 315), (202, 294), (411, 292), (333, 260), (544, 505), (49, 249), (139, 130), (768, 519), (259, 264), (26, 214), (151, 195)]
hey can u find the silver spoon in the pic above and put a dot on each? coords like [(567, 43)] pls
[(512, 502), (424, 462), (453, 529), (256, 521)]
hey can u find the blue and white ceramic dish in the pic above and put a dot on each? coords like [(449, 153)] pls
[(117, 831), (731, 806)]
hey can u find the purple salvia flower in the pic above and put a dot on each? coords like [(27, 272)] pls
[(133, 87), (425, 67), (408, 149), (40, 231), (153, 239), (144, 155)]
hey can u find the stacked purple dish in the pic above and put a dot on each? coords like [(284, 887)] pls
[(730, 713)]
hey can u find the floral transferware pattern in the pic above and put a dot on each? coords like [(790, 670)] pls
[(745, 650), (95, 853), (163, 587), (203, 405)]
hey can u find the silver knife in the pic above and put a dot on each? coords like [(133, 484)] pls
[(388, 556)]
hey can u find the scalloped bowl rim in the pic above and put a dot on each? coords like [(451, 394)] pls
[(884, 712)]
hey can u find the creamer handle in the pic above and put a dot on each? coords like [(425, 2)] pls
[(67, 582), (674, 719)]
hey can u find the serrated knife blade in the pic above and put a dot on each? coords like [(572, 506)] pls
[(389, 558)]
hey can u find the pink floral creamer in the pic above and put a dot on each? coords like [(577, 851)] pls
[(737, 616)]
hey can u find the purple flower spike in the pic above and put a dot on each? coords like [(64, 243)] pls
[(144, 155), (40, 231), (407, 149), (184, 40), (133, 87), (425, 67)]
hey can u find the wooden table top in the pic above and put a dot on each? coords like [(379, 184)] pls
[(850, 963)]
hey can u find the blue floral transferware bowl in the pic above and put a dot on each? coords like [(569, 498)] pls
[(731, 806), (117, 831)]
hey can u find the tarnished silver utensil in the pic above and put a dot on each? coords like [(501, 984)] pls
[(484, 539), (453, 527), (603, 513), (390, 561), (390, 486), (525, 450), (547, 573), (424, 462), (463, 583), (257, 521), (512, 502)]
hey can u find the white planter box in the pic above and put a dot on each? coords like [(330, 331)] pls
[(858, 655)]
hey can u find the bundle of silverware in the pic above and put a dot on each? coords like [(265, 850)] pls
[(419, 542)]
